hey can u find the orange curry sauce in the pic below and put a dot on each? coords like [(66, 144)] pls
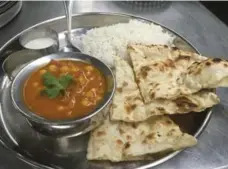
[(80, 98)]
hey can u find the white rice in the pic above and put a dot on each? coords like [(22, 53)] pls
[(106, 42)]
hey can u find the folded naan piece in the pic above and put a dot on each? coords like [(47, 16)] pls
[(158, 69), (128, 104), (157, 134), (106, 143), (127, 101), (210, 73), (196, 102), (121, 141)]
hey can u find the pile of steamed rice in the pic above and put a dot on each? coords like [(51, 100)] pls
[(106, 42)]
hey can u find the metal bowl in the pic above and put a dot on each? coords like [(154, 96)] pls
[(69, 127), (40, 34)]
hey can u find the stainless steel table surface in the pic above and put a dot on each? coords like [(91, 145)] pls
[(191, 20)]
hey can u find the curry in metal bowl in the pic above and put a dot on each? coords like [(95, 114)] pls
[(64, 89), (64, 94)]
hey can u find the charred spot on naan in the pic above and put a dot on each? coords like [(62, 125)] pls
[(130, 47), (153, 85), (168, 63), (208, 63), (150, 139), (175, 48), (153, 90), (137, 81), (119, 142), (127, 145), (100, 133), (125, 84), (185, 103), (171, 132), (161, 110), (182, 57), (151, 136), (134, 125), (216, 60), (168, 122), (144, 71), (119, 89), (129, 137), (152, 94), (129, 107), (158, 134), (132, 98), (121, 131), (196, 67), (138, 98)]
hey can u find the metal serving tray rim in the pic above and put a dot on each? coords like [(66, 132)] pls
[(154, 163)]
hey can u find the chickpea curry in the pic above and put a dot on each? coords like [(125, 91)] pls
[(64, 89)]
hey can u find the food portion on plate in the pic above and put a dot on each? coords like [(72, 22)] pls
[(157, 70), (148, 90), (196, 102), (153, 82), (127, 102), (168, 73), (107, 42), (122, 141), (64, 89), (210, 73)]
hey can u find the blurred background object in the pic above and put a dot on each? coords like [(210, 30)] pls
[(8, 10), (146, 5)]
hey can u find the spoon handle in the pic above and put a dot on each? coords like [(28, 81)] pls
[(68, 5)]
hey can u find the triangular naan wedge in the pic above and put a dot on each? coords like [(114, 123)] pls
[(210, 73), (127, 101), (121, 141), (106, 143), (128, 105), (158, 69), (197, 102), (157, 134)]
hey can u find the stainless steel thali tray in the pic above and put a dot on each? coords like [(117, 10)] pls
[(70, 153)]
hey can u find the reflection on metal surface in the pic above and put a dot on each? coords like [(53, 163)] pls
[(47, 152), (15, 61)]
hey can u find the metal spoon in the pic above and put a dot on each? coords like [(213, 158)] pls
[(68, 6)]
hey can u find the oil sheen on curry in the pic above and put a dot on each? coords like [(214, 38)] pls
[(64, 89)]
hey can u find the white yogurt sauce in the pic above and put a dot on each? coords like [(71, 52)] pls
[(39, 43)]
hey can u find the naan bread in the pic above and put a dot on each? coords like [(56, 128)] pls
[(121, 141), (127, 101), (158, 69), (197, 102), (106, 143), (158, 134), (210, 73), (128, 105)]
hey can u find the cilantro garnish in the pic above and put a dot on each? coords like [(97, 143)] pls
[(55, 86)]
